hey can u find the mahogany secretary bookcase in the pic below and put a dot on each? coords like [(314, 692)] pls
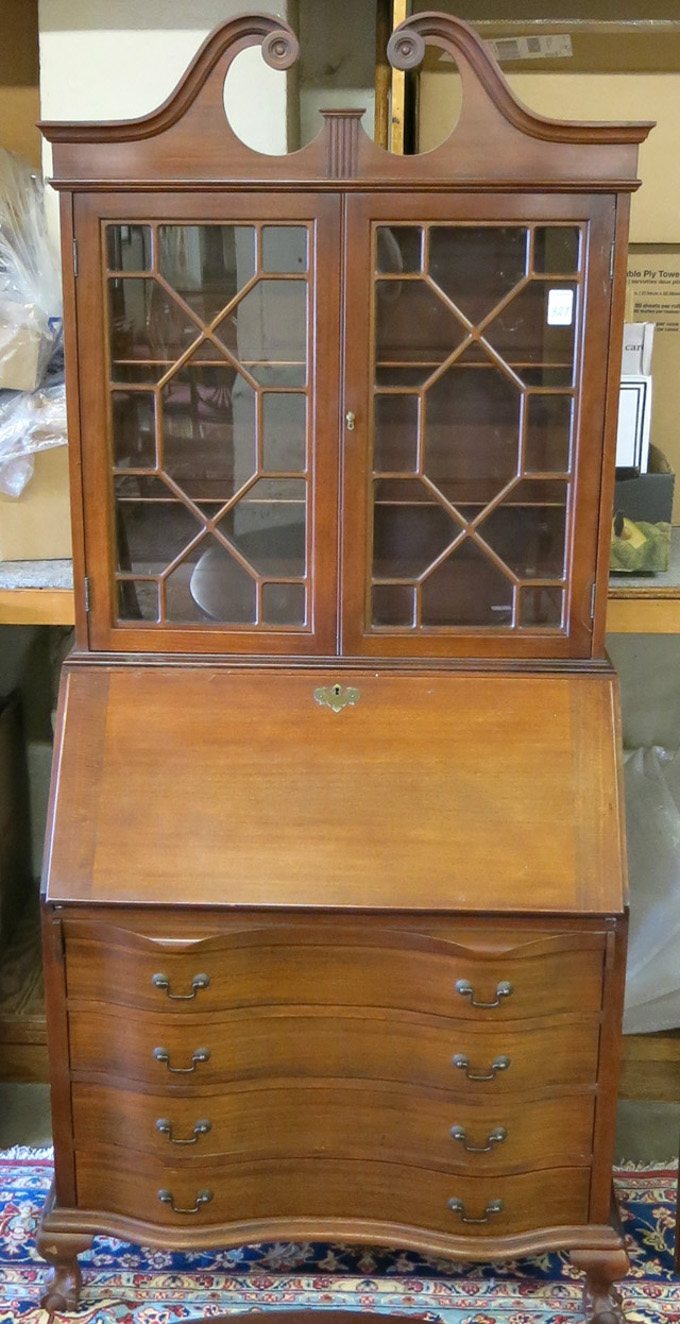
[(334, 903)]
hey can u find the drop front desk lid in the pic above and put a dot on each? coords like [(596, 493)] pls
[(217, 786)]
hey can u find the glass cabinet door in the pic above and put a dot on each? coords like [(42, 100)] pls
[(468, 446), (215, 474)]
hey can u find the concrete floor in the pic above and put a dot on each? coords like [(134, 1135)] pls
[(645, 1131)]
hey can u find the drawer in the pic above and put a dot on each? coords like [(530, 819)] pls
[(396, 1123), (324, 964), (321, 1188), (168, 1050)]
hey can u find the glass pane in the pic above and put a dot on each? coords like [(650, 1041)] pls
[(399, 248), (396, 434), (149, 330), (208, 425), (283, 604), (284, 439), (211, 584), (267, 332), (467, 589), (134, 430), (410, 529), (268, 526), (138, 600), (528, 530), (284, 248), (472, 420), (477, 266), (152, 531), (207, 264), (556, 249), (414, 325), (128, 247), (541, 606), (537, 328), (394, 604), (548, 442)]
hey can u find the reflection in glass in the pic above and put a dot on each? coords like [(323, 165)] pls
[(211, 583), (284, 249), (413, 325), (268, 526), (472, 418), (283, 604), (399, 249), (284, 439), (128, 247), (394, 604), (410, 529), (527, 530), (207, 264), (556, 249), (522, 335), (208, 429), (396, 434), (134, 432), (148, 330), (138, 600), (541, 606), (477, 266), (267, 332), (548, 439), (467, 589), (152, 531)]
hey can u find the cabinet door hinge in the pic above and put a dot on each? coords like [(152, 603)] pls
[(88, 595), (75, 257), (593, 596), (612, 252)]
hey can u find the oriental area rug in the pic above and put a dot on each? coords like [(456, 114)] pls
[(125, 1284)]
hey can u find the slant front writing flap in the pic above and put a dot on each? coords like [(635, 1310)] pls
[(352, 789)]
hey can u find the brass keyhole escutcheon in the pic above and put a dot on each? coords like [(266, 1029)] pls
[(336, 698)]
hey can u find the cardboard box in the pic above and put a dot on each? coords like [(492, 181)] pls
[(638, 341), (654, 296), (36, 526), (641, 528), (23, 348), (635, 418)]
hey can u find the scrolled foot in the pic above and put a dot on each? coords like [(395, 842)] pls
[(601, 1301), (62, 1288)]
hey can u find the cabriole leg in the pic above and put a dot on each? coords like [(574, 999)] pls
[(64, 1280), (601, 1301)]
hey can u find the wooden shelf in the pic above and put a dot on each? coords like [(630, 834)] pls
[(41, 593), (36, 593)]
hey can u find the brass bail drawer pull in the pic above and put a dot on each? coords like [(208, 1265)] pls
[(201, 1055), (167, 1197), (496, 1137), (462, 1061), (464, 987), (457, 1207), (198, 981), (201, 1128)]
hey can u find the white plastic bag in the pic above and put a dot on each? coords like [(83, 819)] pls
[(30, 287), (653, 815), (29, 422)]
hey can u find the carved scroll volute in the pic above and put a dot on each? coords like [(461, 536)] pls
[(200, 95), (486, 95)]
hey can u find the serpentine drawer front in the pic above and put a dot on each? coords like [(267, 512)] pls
[(345, 1118), (318, 1188), (342, 964)]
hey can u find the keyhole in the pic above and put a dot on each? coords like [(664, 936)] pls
[(336, 690)]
